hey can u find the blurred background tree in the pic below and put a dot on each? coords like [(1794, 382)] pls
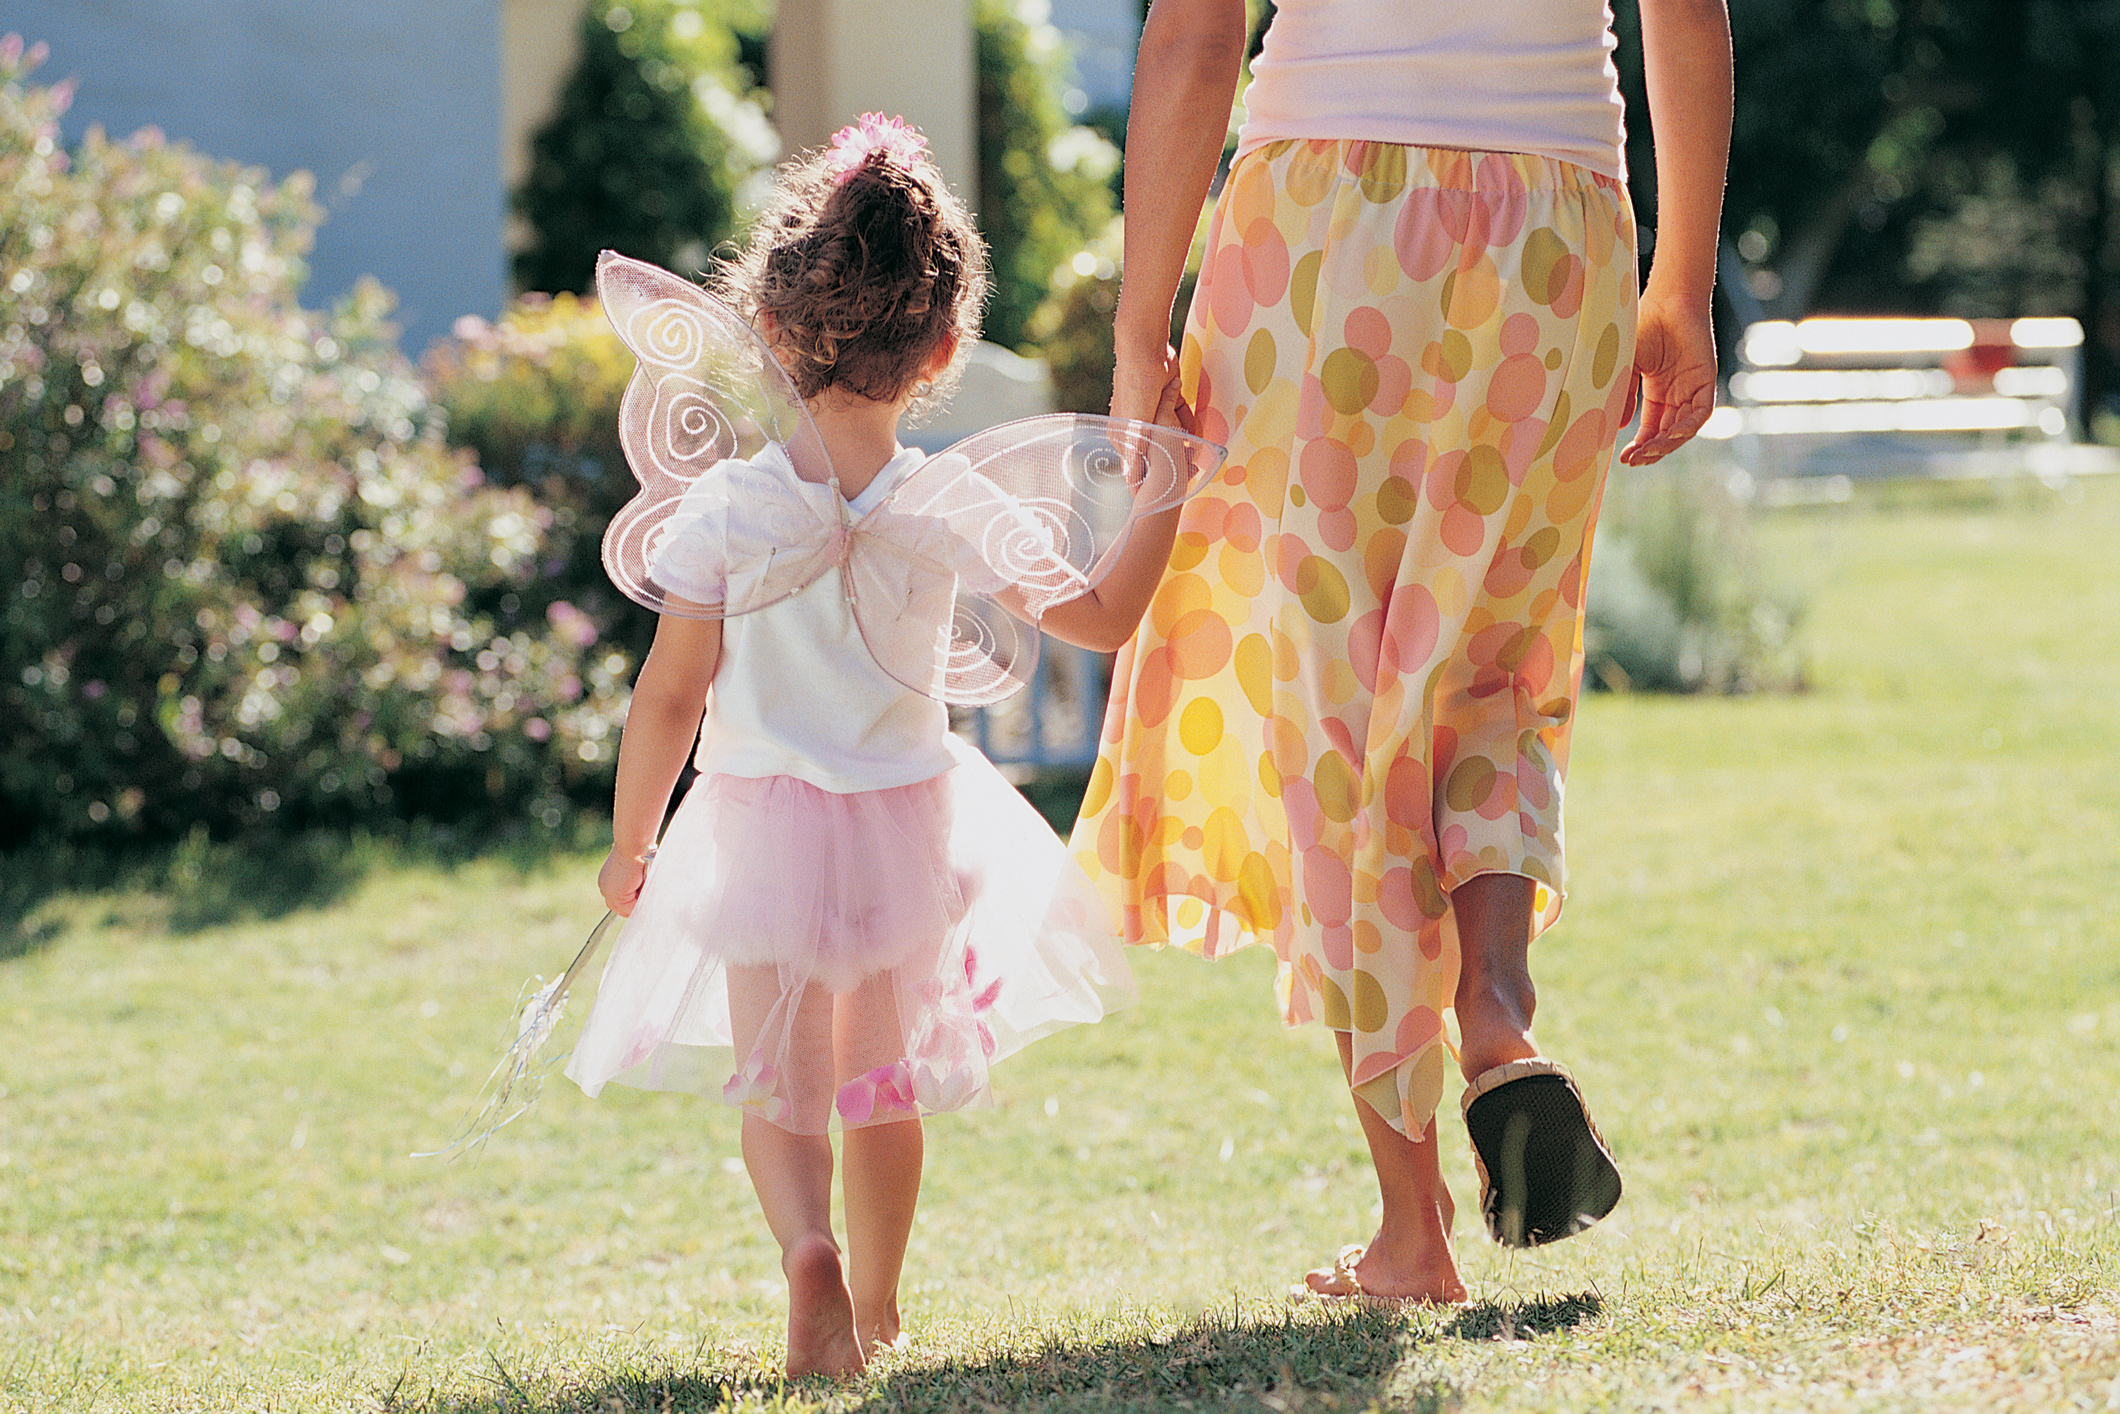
[(1922, 156), (1045, 191), (657, 131)]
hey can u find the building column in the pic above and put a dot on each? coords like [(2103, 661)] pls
[(833, 60)]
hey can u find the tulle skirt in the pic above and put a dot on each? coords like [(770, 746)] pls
[(845, 959)]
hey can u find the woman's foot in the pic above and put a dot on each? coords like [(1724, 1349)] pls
[(1374, 1274), (821, 1338)]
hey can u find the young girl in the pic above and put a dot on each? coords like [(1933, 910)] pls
[(851, 914)]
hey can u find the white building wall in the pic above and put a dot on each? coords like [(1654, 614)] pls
[(393, 105)]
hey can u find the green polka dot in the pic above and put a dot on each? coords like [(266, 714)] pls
[(1323, 590), (1333, 1010), (1371, 1010), (1339, 794), (1350, 380), (1457, 355), (1483, 480), (1543, 253), (1553, 360), (1397, 500), (1471, 782), (1303, 292), (1607, 356), (1259, 362)]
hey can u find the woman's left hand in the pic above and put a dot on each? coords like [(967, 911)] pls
[(1674, 365)]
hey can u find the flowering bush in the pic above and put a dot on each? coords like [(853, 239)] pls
[(250, 582), (534, 398)]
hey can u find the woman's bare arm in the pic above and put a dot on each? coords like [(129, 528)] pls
[(1185, 75), (1686, 62)]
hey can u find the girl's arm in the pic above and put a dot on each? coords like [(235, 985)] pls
[(1686, 62), (1185, 75), (662, 722)]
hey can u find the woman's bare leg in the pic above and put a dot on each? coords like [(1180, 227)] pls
[(1495, 998), (1410, 1257)]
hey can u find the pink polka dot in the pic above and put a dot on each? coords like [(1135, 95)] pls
[(1329, 473), (1517, 387), (1338, 529), (1368, 330), (1412, 627), (1328, 887), (1417, 1028)]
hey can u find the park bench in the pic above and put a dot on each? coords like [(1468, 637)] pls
[(1816, 404)]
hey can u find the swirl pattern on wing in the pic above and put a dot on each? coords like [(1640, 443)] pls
[(991, 654)]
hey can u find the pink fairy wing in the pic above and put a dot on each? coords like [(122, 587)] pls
[(1007, 523), (735, 510)]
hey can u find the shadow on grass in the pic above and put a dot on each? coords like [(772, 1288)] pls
[(1352, 1359)]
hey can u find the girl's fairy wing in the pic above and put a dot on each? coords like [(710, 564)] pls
[(949, 575), (735, 509)]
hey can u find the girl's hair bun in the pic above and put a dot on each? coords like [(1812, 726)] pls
[(862, 265)]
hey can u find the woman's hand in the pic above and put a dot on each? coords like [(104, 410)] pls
[(1674, 365), (619, 881)]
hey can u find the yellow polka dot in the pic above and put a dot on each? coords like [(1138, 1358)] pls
[(1178, 785), (1243, 573), (1188, 550), (1189, 913), (1269, 775), (1254, 665), (1099, 789), (1224, 844), (1200, 726), (1384, 175), (1260, 895)]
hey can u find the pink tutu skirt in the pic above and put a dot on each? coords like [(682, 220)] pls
[(846, 959)]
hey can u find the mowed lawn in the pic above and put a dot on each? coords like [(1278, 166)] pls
[(1839, 973)]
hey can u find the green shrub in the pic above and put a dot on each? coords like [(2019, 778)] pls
[(247, 573), (1677, 599), (534, 399), (1044, 182), (655, 134)]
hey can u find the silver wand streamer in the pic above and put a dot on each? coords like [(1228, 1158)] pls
[(515, 1082)]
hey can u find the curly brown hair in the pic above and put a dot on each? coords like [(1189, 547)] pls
[(857, 278)]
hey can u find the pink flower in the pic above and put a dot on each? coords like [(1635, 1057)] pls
[(877, 1093), (896, 140), (753, 1085)]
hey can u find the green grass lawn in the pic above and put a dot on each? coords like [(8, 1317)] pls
[(1838, 973)]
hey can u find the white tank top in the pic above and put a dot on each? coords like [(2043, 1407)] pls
[(1532, 76)]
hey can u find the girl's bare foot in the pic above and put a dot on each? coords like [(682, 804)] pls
[(821, 1337), (882, 1331)]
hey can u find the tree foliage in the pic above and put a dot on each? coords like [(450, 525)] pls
[(1044, 181), (1922, 156), (654, 135)]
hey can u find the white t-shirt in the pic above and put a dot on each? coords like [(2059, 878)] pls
[(799, 694), (1533, 76)]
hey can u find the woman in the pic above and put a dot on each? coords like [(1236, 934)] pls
[(1343, 725)]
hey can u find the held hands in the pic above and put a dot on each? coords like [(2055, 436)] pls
[(1674, 361)]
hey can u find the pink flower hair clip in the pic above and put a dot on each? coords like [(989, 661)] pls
[(897, 140)]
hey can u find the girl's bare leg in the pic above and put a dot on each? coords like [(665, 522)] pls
[(1495, 998), (792, 1174), (881, 1183), (1410, 1257)]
